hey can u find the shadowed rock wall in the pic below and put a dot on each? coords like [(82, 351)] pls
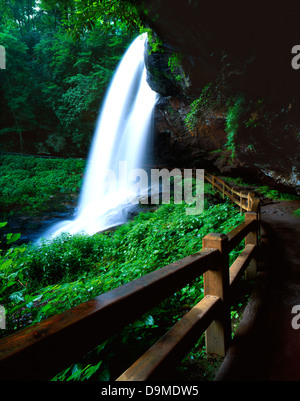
[(241, 49)]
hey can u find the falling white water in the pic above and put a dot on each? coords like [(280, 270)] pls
[(120, 136)]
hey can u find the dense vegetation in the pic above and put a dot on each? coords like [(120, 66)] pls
[(50, 95), (242, 112), (31, 185), (38, 281), (262, 190), (52, 87)]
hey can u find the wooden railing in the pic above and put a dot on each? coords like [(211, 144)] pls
[(42, 350), (245, 200)]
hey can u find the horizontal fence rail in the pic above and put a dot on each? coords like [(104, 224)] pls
[(173, 346), (42, 350), (246, 201)]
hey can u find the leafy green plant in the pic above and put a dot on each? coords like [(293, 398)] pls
[(233, 120), (174, 63), (275, 194), (54, 79), (28, 184), (263, 189), (155, 42), (251, 148), (207, 100), (40, 281), (112, 14), (10, 280), (252, 123)]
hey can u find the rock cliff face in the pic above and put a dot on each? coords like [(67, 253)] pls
[(240, 50)]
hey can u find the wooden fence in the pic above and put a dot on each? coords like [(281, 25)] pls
[(42, 350), (245, 200)]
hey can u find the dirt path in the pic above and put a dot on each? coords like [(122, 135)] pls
[(266, 346)]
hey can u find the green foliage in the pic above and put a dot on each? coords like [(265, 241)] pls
[(79, 76), (39, 281), (209, 98), (297, 212), (112, 15), (9, 278), (18, 13), (10, 237), (251, 148), (155, 42), (174, 61), (16, 111), (263, 189), (53, 86), (244, 113), (275, 194), (233, 120), (28, 184), (241, 113), (174, 64)]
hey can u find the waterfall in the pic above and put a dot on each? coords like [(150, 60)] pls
[(120, 139)]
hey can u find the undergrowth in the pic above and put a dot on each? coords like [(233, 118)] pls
[(232, 124), (28, 184), (264, 190), (201, 107), (297, 212), (39, 281)]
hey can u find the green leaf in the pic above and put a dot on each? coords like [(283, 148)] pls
[(149, 320), (5, 264), (16, 297), (12, 238), (90, 370)]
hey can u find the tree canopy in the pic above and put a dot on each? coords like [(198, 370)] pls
[(60, 57)]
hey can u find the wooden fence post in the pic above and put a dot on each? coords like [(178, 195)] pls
[(216, 282), (241, 201), (252, 239)]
